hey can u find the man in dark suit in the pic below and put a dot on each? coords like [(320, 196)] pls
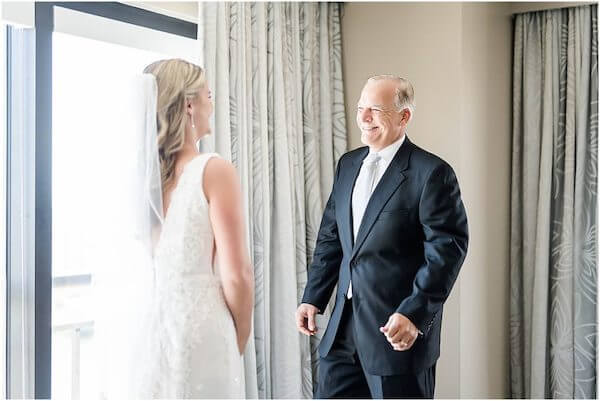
[(393, 238)]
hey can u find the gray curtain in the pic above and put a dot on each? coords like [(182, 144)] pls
[(554, 201), (275, 70)]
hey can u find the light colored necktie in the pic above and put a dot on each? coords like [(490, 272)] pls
[(370, 167), (369, 172)]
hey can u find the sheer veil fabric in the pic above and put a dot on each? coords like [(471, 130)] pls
[(125, 278)]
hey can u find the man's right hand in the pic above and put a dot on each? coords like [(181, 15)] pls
[(305, 319)]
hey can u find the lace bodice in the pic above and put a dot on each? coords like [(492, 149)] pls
[(187, 239)]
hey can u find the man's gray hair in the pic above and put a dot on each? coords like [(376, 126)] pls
[(405, 94)]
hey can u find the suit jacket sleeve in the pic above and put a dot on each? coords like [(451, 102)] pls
[(444, 221), (325, 268)]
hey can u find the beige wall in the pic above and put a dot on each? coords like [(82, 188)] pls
[(485, 145), (420, 41)]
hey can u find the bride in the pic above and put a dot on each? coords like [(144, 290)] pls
[(188, 330), (204, 273)]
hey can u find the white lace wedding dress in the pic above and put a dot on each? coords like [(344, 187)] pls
[(197, 354)]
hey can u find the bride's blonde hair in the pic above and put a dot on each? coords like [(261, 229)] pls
[(177, 81)]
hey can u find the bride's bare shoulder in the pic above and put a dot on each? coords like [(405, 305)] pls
[(220, 178)]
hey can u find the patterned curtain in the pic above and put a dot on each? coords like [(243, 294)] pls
[(275, 70), (554, 202)]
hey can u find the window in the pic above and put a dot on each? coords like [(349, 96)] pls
[(86, 163)]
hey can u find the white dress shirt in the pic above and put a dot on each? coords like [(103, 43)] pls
[(358, 209)]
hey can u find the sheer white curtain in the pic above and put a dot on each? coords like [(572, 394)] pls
[(275, 71)]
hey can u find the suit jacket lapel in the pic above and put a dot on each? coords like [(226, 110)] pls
[(386, 187), (348, 179)]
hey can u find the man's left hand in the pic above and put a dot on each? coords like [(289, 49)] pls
[(400, 332)]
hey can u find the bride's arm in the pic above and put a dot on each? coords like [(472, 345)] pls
[(223, 191)]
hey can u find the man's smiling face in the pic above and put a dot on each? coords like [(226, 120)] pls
[(377, 116)]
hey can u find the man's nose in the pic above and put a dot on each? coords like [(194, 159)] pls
[(365, 116)]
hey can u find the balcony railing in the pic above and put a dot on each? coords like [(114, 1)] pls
[(72, 325)]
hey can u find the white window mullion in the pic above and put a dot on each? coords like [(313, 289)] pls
[(21, 212), (3, 174)]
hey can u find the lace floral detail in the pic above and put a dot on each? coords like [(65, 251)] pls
[(196, 354)]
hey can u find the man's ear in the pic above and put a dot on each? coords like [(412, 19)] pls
[(406, 115)]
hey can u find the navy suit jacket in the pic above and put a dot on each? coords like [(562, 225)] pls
[(409, 248)]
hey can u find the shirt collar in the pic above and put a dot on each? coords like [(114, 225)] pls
[(388, 153)]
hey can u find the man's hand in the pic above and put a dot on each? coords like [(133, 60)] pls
[(400, 332), (305, 319)]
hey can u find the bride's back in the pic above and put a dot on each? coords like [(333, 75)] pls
[(187, 241)]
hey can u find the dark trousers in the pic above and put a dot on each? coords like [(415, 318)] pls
[(341, 374)]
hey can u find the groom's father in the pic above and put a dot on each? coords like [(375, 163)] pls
[(393, 238)]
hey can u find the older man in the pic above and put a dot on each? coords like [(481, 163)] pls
[(393, 238)]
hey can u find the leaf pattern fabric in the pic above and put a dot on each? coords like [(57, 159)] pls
[(554, 244), (275, 70)]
